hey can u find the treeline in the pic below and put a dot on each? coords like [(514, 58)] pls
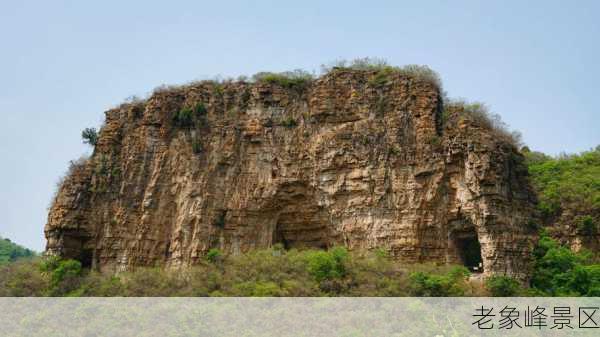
[(568, 185), (10, 252), (277, 272)]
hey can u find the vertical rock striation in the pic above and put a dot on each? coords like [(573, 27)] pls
[(343, 161)]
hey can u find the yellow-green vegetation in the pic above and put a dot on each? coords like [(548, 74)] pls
[(267, 272), (297, 79), (558, 271), (568, 182), (383, 70), (481, 116)]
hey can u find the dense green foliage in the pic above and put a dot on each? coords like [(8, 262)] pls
[(558, 271), (10, 252), (503, 286), (567, 182), (452, 283)]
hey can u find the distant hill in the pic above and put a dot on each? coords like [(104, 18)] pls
[(10, 251), (568, 189)]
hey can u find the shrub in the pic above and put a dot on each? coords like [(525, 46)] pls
[(297, 79), (587, 226), (64, 275), (213, 255), (289, 123), (184, 118), (452, 283), (381, 77), (200, 109), (101, 285), (90, 136), (502, 286), (23, 278), (151, 282), (558, 271), (326, 265)]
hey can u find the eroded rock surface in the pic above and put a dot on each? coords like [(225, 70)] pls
[(341, 162)]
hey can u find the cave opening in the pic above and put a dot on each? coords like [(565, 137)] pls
[(468, 250), (300, 235), (300, 221), (86, 257)]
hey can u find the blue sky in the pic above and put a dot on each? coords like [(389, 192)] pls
[(63, 63)]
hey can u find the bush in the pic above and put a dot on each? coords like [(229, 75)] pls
[(23, 278), (213, 255), (452, 283), (289, 123), (587, 226), (184, 118), (151, 282), (327, 265), (297, 79), (64, 275), (90, 136), (384, 70), (200, 109), (502, 286)]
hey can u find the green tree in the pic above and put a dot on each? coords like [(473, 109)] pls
[(10, 252), (90, 136)]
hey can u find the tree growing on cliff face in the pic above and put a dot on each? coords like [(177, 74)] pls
[(90, 136)]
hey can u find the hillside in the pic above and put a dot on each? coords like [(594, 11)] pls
[(10, 252), (568, 189)]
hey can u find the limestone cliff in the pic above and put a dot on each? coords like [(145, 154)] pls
[(344, 160)]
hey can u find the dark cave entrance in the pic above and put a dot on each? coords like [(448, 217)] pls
[(300, 221), (298, 235), (86, 257), (468, 250)]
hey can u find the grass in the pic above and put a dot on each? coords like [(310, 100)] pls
[(297, 79), (479, 114), (383, 70)]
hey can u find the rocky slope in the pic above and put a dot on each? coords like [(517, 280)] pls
[(348, 159)]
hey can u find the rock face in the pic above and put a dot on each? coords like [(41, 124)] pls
[(342, 161)]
